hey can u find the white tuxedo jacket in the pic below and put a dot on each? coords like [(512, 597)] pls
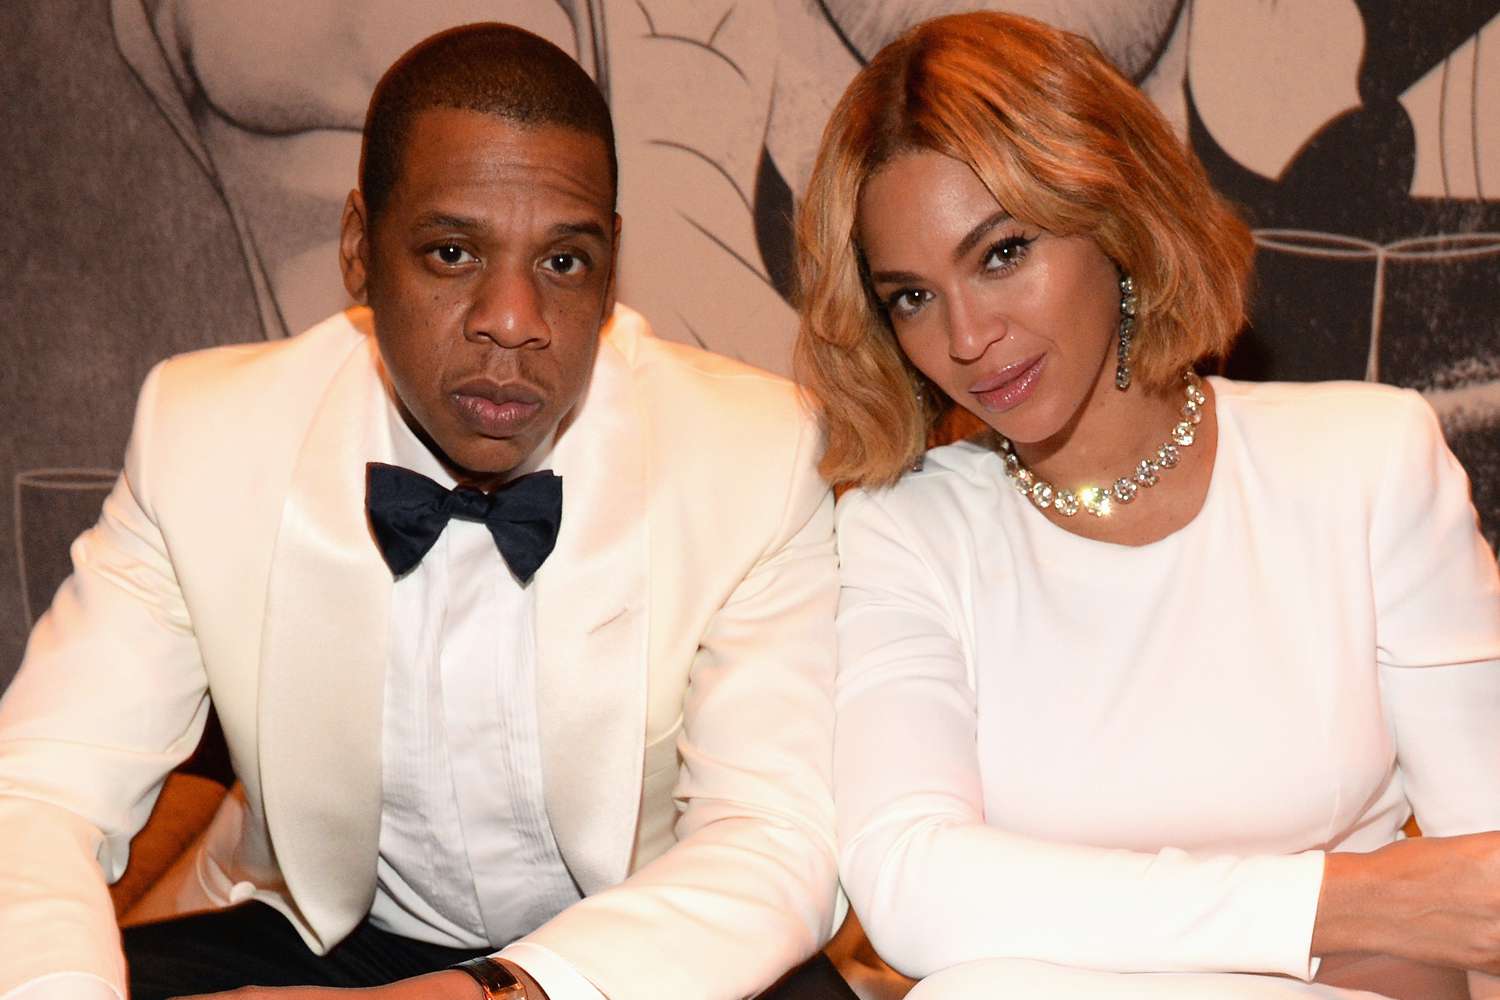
[(685, 661)]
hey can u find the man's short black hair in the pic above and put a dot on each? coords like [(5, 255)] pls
[(497, 69)]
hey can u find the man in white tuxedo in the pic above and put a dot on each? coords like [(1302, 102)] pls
[(518, 620)]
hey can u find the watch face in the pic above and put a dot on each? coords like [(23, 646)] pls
[(497, 981)]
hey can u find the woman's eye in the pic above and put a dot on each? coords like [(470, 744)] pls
[(451, 255), (565, 263), (1006, 254), (906, 302)]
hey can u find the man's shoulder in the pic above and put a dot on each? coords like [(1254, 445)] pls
[(684, 379), (715, 424), (308, 357), (213, 408)]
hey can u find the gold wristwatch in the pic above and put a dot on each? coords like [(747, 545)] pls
[(498, 982)]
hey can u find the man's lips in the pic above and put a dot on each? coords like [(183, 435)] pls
[(1010, 386), (495, 409)]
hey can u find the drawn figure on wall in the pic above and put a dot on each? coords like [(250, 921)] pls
[(226, 167), (1362, 139), (272, 104), (1355, 136), (718, 109)]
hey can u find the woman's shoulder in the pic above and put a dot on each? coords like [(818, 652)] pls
[(954, 473), (1352, 418), (950, 483), (918, 535), (1334, 397)]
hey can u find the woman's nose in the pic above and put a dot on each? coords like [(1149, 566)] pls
[(972, 328)]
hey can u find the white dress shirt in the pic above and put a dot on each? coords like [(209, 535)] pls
[(467, 855), (467, 858)]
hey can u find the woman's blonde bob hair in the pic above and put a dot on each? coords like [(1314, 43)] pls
[(1062, 141)]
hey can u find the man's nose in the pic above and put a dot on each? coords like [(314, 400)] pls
[(507, 309), (972, 328)]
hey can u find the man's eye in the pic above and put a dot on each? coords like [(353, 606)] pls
[(452, 255), (565, 263)]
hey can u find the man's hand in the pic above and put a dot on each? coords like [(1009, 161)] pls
[(449, 984), (1432, 899)]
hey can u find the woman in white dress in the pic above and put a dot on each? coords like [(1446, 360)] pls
[(1139, 686)]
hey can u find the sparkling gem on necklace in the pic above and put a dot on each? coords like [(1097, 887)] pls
[(1100, 500), (1095, 500), (1042, 494)]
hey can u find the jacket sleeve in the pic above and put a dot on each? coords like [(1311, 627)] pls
[(1437, 598), (748, 890), (110, 696), (935, 885)]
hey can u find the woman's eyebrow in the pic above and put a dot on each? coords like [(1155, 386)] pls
[(972, 238)]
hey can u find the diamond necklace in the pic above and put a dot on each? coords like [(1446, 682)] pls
[(1099, 500)]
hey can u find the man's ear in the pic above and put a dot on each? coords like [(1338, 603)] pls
[(614, 271), (354, 247)]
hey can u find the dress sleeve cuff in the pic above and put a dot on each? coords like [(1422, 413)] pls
[(1294, 900), (552, 973), (64, 986)]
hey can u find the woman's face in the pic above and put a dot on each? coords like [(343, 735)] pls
[(1016, 324)]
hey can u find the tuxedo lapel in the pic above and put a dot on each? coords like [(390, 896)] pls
[(591, 626), (325, 646), (325, 651)]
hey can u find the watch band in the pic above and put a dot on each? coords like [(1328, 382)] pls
[(498, 982)]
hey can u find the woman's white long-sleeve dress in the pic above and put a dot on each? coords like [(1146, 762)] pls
[(1130, 759)]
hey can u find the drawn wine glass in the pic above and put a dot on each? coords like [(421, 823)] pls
[(52, 507)]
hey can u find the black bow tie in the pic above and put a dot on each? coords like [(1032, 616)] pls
[(408, 512)]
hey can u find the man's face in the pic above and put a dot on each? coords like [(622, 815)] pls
[(490, 271)]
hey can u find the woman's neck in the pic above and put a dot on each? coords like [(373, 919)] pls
[(1107, 437), (1107, 441)]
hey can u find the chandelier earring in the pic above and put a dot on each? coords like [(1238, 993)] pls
[(1127, 330), (921, 397)]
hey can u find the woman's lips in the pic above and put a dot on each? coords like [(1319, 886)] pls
[(1010, 386)]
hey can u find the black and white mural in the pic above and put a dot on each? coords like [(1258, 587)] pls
[(175, 171)]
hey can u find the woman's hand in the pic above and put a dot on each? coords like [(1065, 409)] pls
[(1433, 899)]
